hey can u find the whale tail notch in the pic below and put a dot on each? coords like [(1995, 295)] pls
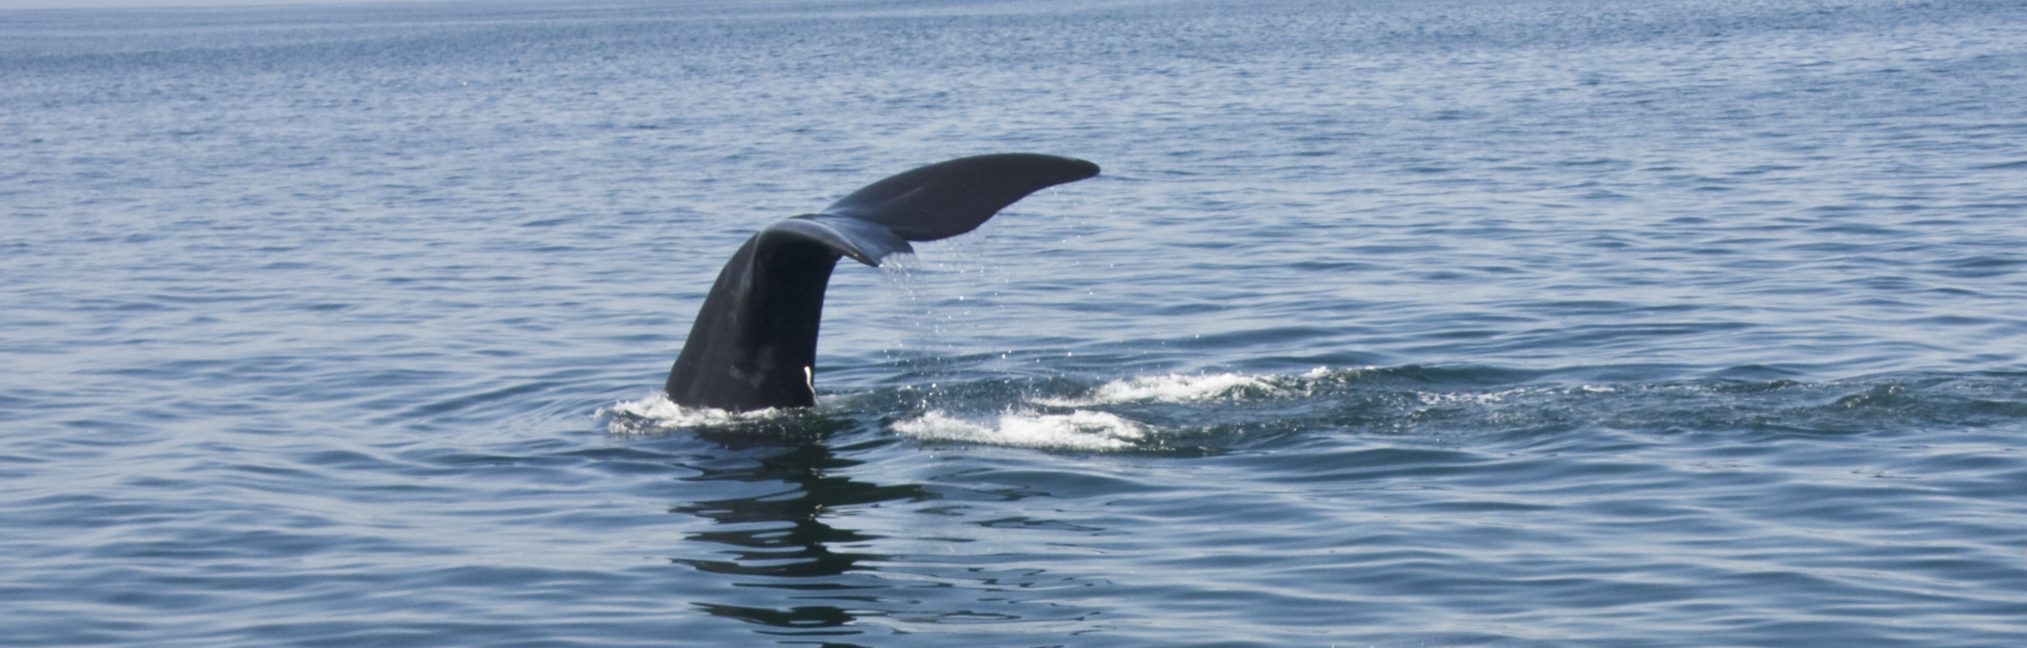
[(753, 345)]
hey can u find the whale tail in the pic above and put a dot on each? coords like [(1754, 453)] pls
[(753, 345)]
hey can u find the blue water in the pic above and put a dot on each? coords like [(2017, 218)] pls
[(1676, 323)]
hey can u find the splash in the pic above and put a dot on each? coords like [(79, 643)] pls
[(1169, 388), (656, 414), (1078, 430)]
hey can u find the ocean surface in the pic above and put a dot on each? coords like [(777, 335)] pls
[(1389, 323)]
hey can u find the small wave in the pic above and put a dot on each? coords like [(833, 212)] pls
[(1169, 388), (656, 414), (1078, 430)]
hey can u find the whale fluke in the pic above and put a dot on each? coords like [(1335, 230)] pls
[(753, 345)]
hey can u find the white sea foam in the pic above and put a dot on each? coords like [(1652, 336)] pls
[(656, 414), (1078, 430), (1168, 388), (1505, 395)]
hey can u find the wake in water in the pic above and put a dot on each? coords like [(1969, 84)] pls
[(656, 414), (1053, 422), (1078, 430), (1172, 412), (1141, 413), (1171, 388)]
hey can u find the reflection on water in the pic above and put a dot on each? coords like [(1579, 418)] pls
[(787, 539)]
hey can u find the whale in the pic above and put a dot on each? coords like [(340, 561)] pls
[(753, 344)]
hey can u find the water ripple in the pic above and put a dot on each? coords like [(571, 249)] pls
[(1634, 323)]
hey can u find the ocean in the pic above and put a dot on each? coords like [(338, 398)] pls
[(1450, 323)]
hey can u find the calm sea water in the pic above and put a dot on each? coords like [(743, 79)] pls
[(1678, 323)]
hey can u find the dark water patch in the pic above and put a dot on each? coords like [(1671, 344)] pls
[(1983, 266), (2001, 166)]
